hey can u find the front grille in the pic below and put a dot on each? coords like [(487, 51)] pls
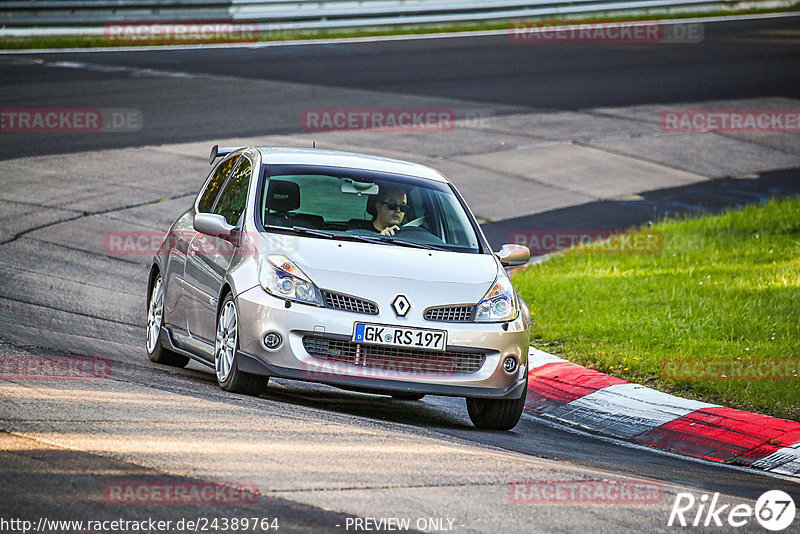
[(450, 314), (340, 301), (393, 358)]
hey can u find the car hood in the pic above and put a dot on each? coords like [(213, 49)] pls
[(360, 268)]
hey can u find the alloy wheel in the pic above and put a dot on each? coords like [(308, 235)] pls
[(155, 314), (226, 341)]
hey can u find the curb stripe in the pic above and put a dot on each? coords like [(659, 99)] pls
[(538, 358), (785, 461), (625, 410), (555, 384), (724, 435), (576, 395)]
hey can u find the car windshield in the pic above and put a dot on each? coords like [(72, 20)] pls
[(327, 202)]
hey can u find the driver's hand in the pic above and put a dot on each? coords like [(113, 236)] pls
[(390, 230)]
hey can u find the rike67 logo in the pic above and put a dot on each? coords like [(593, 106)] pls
[(774, 510)]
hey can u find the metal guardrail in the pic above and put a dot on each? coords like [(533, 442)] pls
[(43, 17)]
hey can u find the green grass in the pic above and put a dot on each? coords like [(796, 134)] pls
[(77, 41), (722, 288)]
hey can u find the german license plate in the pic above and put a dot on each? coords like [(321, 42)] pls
[(400, 336)]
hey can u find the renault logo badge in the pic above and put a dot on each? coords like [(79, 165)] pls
[(401, 305)]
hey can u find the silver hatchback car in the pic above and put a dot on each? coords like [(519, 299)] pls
[(361, 272)]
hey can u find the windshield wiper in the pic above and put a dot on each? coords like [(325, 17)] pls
[(378, 239), (311, 231), (384, 239), (396, 241), (300, 230)]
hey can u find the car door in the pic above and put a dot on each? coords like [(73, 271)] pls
[(179, 296), (209, 257), (193, 297), (175, 295)]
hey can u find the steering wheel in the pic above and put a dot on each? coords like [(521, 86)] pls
[(408, 229), (418, 234), (415, 223)]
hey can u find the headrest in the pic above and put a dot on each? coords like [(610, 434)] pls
[(283, 196), (372, 209)]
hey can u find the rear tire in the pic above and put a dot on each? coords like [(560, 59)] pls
[(496, 414), (226, 359), (155, 319)]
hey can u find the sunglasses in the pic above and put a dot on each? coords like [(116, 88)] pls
[(395, 206)]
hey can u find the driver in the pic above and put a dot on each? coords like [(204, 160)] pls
[(390, 208)]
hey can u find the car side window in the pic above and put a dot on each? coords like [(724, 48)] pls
[(214, 185), (233, 198), (455, 223)]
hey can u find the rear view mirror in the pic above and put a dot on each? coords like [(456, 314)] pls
[(359, 188)]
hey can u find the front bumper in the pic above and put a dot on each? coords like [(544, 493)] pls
[(261, 313)]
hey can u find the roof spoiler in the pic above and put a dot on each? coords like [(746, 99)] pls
[(217, 152)]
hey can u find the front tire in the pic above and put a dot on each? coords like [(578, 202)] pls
[(226, 360), (155, 319), (496, 414)]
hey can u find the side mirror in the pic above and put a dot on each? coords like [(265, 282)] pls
[(511, 255), (213, 224)]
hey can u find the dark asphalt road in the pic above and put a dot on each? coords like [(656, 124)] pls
[(210, 94)]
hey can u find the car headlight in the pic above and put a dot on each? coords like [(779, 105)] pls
[(499, 303), (280, 277)]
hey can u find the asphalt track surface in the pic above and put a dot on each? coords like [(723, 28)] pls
[(220, 93), (207, 94)]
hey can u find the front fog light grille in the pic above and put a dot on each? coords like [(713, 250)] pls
[(340, 301), (450, 314), (393, 358)]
